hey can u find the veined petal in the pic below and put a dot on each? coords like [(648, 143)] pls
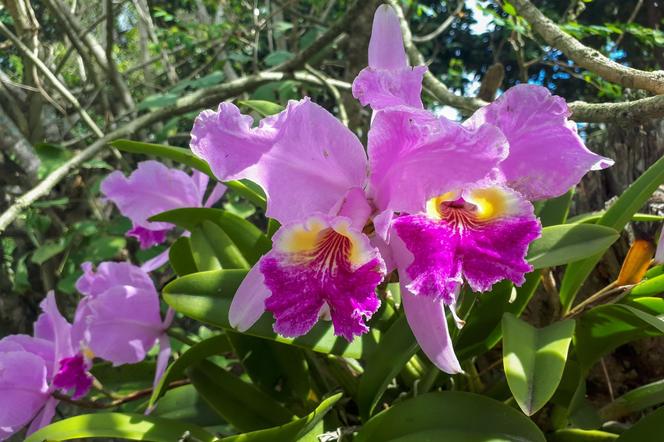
[(414, 156), (481, 234), (23, 387), (546, 155), (303, 158), (249, 301), (427, 320), (151, 189), (322, 262), (381, 88)]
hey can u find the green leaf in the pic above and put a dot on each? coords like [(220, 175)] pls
[(648, 429), (393, 351), (207, 296), (48, 250), (212, 346), (508, 8), (239, 403), (566, 243), (652, 286), (185, 404), (450, 415), (534, 360), (634, 401), (120, 425), (292, 431), (248, 238), (577, 435), (590, 218), (265, 108), (616, 217), (554, 211), (181, 257), (213, 249), (278, 57), (178, 154), (606, 327)]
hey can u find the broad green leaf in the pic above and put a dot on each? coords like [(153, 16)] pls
[(212, 346), (578, 435), (648, 429), (248, 238), (606, 327), (456, 415), (265, 108), (634, 401), (566, 243), (213, 249), (292, 431), (184, 404), (534, 360), (616, 217), (186, 157), (127, 378), (554, 211), (120, 425), (207, 296), (181, 257), (648, 287), (593, 217), (240, 404), (48, 250), (396, 347)]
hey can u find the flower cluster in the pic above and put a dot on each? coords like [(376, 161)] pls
[(443, 203)]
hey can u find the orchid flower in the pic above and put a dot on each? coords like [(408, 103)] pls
[(33, 367), (479, 232), (118, 318), (324, 190), (151, 189)]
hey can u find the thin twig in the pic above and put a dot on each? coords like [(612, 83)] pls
[(443, 26), (343, 115)]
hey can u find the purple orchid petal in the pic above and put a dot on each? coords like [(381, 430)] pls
[(109, 275), (388, 80), (547, 156), (38, 346), (414, 156), (122, 324), (386, 49), (323, 261), (162, 358), (303, 158), (156, 262), (427, 320), (151, 189), (44, 417), (23, 388), (61, 330), (119, 318), (483, 235), (73, 374), (356, 207), (249, 301)]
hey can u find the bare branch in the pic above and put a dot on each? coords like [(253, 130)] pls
[(629, 111), (443, 26), (343, 115), (586, 57), (13, 141), (52, 78)]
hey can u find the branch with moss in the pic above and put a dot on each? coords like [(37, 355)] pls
[(588, 58)]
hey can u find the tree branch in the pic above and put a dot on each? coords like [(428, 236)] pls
[(443, 26), (586, 57)]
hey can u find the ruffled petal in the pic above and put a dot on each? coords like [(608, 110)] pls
[(122, 324), (482, 236), (546, 155), (427, 320), (151, 189), (23, 387), (322, 262), (303, 158), (73, 375), (111, 274), (414, 156), (249, 301), (384, 88), (61, 330)]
